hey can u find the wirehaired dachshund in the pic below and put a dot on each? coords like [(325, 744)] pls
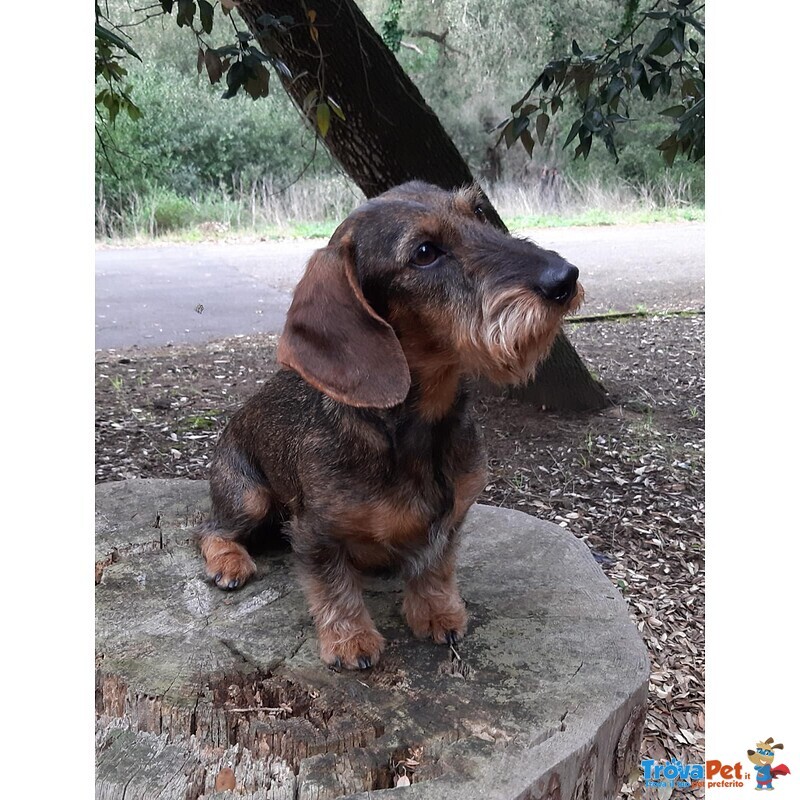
[(366, 440)]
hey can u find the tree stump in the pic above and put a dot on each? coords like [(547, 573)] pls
[(201, 692)]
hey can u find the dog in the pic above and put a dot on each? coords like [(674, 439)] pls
[(365, 441)]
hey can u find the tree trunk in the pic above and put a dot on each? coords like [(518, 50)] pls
[(562, 382), (390, 135)]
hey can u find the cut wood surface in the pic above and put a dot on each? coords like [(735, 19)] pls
[(202, 693)]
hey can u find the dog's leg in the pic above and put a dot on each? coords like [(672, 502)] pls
[(347, 635), (432, 604), (241, 499)]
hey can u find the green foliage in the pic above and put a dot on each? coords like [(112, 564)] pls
[(171, 212), (659, 64), (191, 159), (189, 142), (391, 32), (639, 161), (629, 17), (247, 59), (471, 59), (244, 58)]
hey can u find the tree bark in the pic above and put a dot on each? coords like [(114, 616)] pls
[(389, 135)]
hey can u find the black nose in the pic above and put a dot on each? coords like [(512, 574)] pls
[(557, 281)]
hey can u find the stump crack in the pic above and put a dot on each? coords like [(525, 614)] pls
[(179, 770), (580, 666), (227, 643), (193, 718), (295, 650)]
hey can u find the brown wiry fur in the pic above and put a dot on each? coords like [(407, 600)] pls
[(511, 335), (366, 443)]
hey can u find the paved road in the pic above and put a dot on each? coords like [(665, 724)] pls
[(148, 296)]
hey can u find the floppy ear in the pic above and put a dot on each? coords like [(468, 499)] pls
[(336, 341)]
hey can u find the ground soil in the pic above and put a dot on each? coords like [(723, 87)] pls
[(629, 481)]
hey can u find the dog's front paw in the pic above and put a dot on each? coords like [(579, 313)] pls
[(449, 628), (228, 564), (446, 625), (360, 650)]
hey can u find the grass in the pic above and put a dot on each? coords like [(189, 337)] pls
[(306, 209), (599, 216), (202, 422), (571, 203), (312, 208), (202, 233)]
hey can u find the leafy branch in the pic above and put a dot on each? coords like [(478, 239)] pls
[(110, 49), (602, 82), (248, 60)]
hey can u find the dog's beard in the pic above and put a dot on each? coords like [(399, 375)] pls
[(512, 334)]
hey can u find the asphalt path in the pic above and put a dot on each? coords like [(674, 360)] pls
[(150, 296)]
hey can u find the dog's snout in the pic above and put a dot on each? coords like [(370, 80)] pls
[(557, 281)]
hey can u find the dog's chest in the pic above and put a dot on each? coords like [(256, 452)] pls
[(421, 488)]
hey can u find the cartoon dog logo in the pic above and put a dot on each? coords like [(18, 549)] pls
[(762, 757)]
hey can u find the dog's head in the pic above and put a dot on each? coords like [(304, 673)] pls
[(417, 282), (764, 752)]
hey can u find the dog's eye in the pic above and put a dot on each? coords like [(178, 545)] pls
[(426, 255), (480, 213)]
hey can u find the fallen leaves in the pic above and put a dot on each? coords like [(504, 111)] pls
[(630, 483)]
